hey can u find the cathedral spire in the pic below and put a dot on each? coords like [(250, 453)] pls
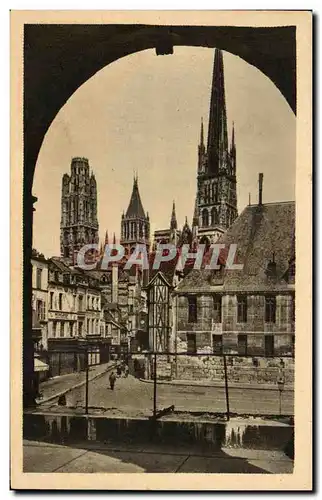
[(173, 221), (217, 146), (201, 133), (106, 237)]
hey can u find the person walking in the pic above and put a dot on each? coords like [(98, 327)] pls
[(112, 379)]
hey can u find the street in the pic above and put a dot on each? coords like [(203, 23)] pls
[(132, 397)]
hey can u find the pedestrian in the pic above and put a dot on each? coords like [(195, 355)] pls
[(119, 370), (126, 371), (112, 379)]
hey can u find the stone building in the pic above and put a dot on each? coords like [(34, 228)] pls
[(40, 297), (250, 311), (171, 234), (79, 224), (75, 318)]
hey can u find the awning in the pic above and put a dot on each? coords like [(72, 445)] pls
[(40, 366)]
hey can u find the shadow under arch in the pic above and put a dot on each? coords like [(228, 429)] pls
[(58, 59)]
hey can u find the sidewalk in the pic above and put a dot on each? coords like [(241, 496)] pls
[(55, 387), (99, 457), (221, 384)]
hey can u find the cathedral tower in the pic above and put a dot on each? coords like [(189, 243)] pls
[(216, 203), (79, 225), (135, 225)]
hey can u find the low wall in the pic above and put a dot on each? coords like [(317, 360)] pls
[(235, 433), (211, 368)]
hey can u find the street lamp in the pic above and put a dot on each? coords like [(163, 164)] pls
[(280, 383)]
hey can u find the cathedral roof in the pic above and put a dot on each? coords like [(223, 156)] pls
[(264, 235), (135, 208)]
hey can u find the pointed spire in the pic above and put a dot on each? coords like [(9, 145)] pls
[(106, 237), (217, 145), (114, 239), (201, 133), (135, 207), (173, 221)]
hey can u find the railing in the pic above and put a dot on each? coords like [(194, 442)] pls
[(155, 384)]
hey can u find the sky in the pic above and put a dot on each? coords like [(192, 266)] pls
[(142, 114)]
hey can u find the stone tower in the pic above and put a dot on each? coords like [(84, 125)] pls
[(135, 225), (79, 225), (216, 203)]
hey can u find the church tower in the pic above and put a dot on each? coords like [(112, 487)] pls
[(79, 224), (135, 225), (216, 203)]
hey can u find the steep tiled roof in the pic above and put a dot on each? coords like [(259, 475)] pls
[(263, 234)]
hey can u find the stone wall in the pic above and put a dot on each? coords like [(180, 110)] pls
[(239, 370)]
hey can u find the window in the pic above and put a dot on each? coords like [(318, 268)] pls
[(192, 314), (269, 345), (71, 332), (217, 309), (80, 303), (205, 218), (40, 310), (292, 308), (130, 308), (270, 309), (80, 328), (54, 328), (242, 344), (241, 309), (217, 344), (51, 300), (191, 343), (62, 328), (39, 273), (60, 301)]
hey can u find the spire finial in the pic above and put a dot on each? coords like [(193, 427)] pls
[(201, 133), (173, 221), (114, 239), (106, 237)]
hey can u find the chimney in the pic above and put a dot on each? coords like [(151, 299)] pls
[(260, 192)]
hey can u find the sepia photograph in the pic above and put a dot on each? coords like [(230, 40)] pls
[(161, 176)]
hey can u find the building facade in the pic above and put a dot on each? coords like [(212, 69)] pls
[(40, 297), (75, 317), (250, 311), (79, 224)]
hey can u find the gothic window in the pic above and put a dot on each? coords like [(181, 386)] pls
[(39, 273), (217, 308), (241, 309), (270, 309), (192, 311), (205, 218), (214, 216)]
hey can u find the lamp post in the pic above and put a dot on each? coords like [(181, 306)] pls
[(280, 383)]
